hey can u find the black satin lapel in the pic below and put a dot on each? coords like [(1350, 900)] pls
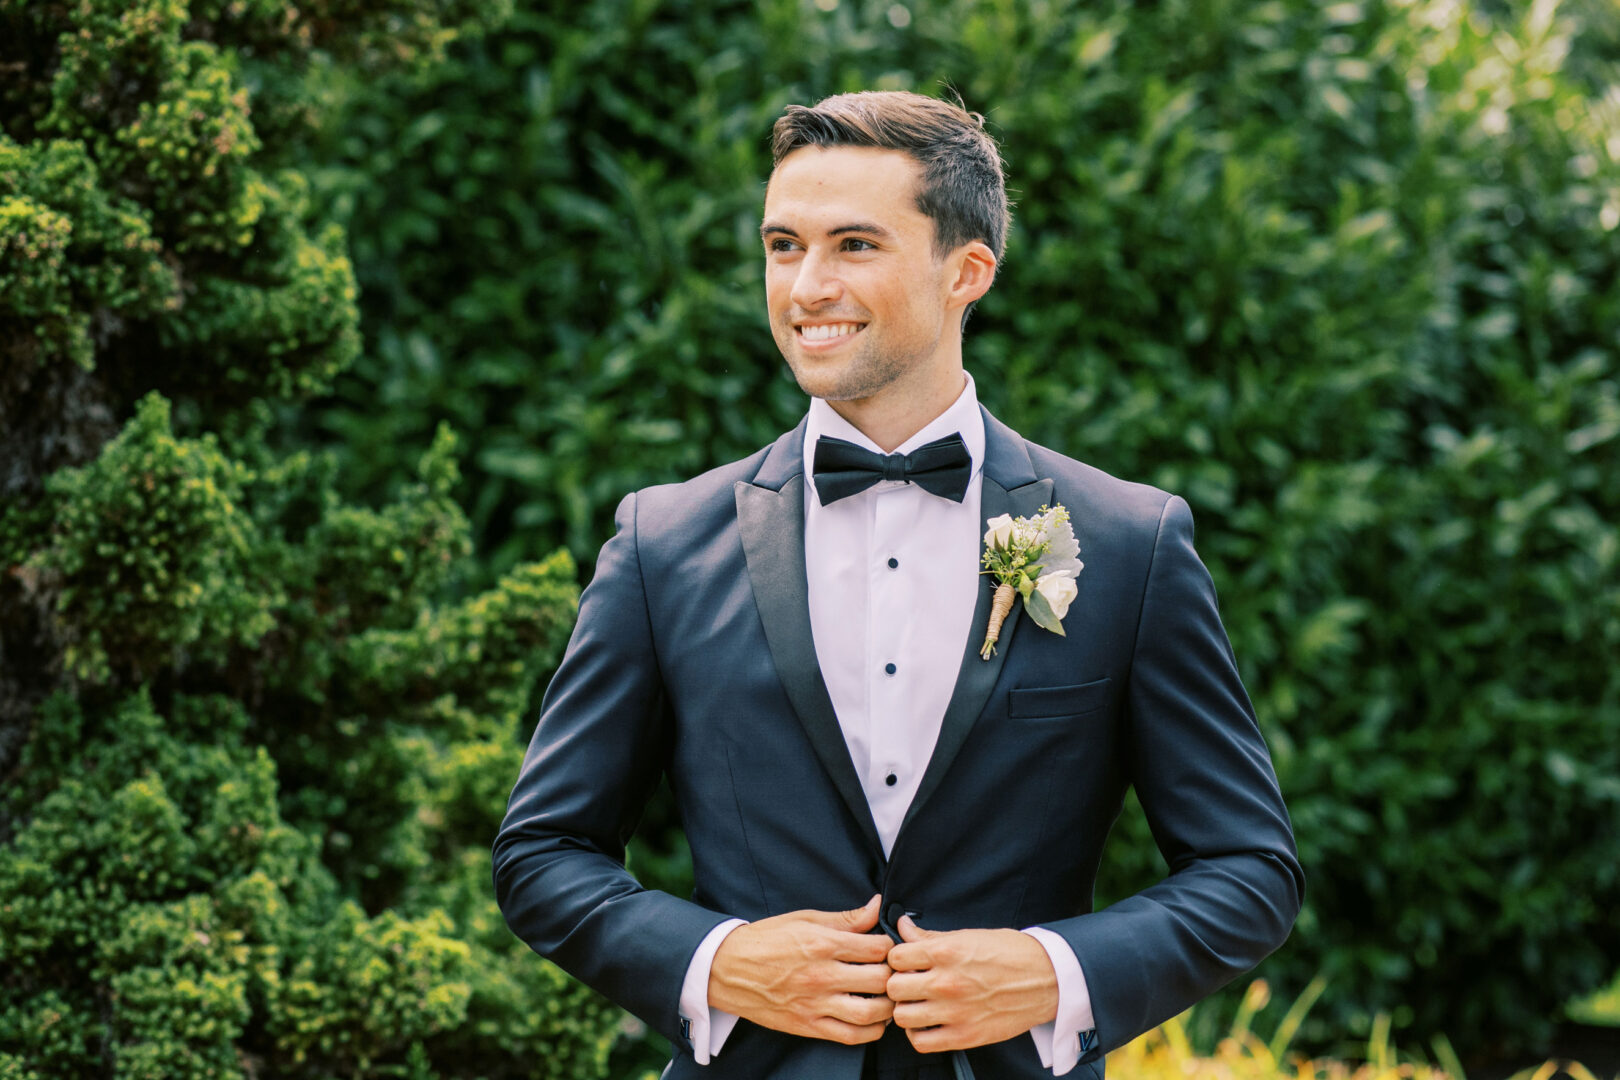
[(772, 527), (977, 677)]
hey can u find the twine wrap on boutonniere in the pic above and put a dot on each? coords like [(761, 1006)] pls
[(1036, 558)]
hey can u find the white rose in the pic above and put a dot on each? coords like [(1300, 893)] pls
[(1059, 590), (1000, 531)]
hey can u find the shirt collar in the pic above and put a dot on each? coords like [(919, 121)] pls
[(962, 417)]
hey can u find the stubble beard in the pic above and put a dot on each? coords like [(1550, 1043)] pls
[(869, 371)]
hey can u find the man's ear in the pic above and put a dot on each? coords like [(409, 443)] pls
[(973, 270)]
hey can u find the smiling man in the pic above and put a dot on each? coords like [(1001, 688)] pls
[(861, 296), (894, 839)]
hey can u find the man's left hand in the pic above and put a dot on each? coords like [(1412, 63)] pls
[(958, 989)]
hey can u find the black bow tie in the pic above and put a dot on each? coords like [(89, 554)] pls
[(842, 469)]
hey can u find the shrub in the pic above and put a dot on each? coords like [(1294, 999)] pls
[(1344, 275), (250, 733)]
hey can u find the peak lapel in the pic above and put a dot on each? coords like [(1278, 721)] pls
[(1010, 487), (771, 523)]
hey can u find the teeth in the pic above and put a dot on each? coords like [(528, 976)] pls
[(824, 333)]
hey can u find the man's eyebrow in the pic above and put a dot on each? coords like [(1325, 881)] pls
[(861, 227), (771, 228)]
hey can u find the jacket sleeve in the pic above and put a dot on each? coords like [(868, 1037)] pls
[(1205, 781), (596, 755)]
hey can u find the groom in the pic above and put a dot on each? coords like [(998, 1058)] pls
[(894, 841)]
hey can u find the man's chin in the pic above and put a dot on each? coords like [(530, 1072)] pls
[(827, 388), (811, 381), (832, 379)]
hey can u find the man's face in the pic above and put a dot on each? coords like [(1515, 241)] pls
[(857, 298)]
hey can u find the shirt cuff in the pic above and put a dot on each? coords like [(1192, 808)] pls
[(705, 1028), (1059, 1041)]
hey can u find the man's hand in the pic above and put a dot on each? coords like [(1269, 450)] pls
[(967, 988), (815, 973)]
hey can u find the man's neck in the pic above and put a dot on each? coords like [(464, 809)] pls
[(889, 420)]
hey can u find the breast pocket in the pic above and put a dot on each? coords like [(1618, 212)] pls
[(1042, 702)]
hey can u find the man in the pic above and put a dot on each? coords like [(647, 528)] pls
[(893, 839)]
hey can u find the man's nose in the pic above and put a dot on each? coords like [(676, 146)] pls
[(816, 283)]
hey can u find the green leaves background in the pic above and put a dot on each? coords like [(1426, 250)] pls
[(1341, 275)]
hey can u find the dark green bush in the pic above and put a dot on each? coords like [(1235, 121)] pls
[(156, 904), (254, 739), (182, 888), (1344, 275)]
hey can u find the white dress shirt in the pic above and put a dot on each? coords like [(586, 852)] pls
[(894, 579)]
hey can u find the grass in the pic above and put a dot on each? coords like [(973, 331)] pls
[(1602, 1007), (1166, 1052)]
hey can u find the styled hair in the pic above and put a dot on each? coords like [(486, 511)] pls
[(963, 190)]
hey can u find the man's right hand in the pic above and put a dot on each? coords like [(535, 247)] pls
[(806, 972)]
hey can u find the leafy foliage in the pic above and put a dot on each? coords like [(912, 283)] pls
[(156, 901), (197, 873), (254, 739), (1343, 275), (70, 245), (148, 551)]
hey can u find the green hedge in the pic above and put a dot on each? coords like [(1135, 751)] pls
[(274, 853), (254, 738), (1344, 275)]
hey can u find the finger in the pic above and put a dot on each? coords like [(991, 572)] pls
[(910, 931), (912, 956), (913, 1015), (859, 920), (835, 1030), (863, 979), (935, 1040), (860, 1011), (911, 986), (855, 948)]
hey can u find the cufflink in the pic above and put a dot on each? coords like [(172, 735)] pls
[(1088, 1041), (686, 1029)]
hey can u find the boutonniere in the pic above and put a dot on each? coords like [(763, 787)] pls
[(1036, 558)]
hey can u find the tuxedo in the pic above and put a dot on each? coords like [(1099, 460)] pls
[(693, 657)]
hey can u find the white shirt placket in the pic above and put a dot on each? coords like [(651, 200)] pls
[(891, 777)]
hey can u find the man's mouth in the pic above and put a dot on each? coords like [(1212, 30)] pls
[(827, 333)]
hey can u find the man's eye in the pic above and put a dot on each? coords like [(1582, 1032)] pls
[(779, 244), (855, 243)]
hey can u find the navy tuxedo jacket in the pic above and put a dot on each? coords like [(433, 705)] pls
[(693, 657)]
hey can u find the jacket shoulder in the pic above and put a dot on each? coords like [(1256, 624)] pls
[(667, 514), (1109, 502)]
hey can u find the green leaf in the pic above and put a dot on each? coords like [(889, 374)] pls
[(1042, 613)]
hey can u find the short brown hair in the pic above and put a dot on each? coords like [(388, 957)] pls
[(963, 189)]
